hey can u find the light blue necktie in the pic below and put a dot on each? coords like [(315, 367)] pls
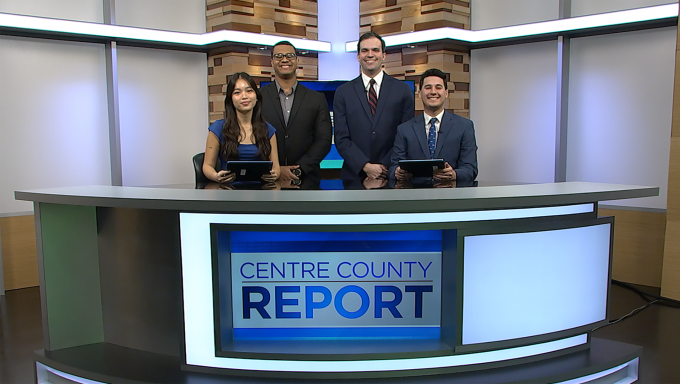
[(432, 136)]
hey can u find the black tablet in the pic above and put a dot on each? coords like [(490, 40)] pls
[(420, 168), (249, 170)]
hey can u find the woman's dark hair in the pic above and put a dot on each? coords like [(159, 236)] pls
[(231, 132)]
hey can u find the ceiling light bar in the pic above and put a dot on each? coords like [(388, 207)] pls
[(533, 29), (86, 29)]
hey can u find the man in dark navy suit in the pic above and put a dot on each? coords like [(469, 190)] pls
[(367, 111), (436, 134), (299, 114)]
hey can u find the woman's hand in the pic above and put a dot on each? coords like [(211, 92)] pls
[(270, 177), (225, 176)]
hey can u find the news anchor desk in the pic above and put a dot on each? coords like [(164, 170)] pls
[(487, 285)]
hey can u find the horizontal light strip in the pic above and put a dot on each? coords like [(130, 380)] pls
[(42, 367), (544, 27), (389, 218), (585, 379), (397, 364), (42, 24)]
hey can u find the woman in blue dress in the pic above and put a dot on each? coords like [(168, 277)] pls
[(242, 134)]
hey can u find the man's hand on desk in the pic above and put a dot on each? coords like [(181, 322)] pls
[(445, 174), (287, 172), (402, 175), (374, 183), (375, 171)]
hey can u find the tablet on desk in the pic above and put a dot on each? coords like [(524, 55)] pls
[(420, 168), (249, 170)]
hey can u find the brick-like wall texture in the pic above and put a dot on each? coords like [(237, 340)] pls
[(299, 18)]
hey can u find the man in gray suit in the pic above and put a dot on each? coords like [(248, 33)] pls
[(436, 134)]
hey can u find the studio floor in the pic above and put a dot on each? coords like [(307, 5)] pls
[(656, 329)]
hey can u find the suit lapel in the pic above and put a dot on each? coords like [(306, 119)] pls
[(300, 93), (274, 98), (385, 88), (419, 130), (444, 128), (361, 94)]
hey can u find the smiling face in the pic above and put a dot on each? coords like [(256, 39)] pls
[(434, 94), (371, 56), (284, 67), (243, 97)]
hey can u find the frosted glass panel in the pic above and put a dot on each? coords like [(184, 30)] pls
[(526, 284), (171, 15), (81, 10), (500, 13), (590, 7), (620, 108), (512, 103), (163, 114), (54, 127)]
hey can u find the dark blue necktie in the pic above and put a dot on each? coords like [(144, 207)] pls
[(432, 137)]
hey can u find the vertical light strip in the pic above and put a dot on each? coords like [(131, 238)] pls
[(338, 23), (111, 50), (562, 113)]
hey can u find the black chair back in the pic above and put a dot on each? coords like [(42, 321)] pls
[(198, 169)]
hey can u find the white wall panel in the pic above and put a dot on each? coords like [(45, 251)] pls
[(500, 13), (620, 107), (590, 7), (54, 128), (163, 114), (81, 10), (513, 105), (171, 15)]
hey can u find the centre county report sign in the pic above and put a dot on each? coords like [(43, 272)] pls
[(377, 286)]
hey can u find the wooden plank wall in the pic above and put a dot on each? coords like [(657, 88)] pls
[(286, 18), (638, 245), (388, 17), (670, 279), (19, 254), (291, 18)]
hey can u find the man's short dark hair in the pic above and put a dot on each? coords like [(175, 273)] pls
[(368, 35), (283, 42), (433, 72)]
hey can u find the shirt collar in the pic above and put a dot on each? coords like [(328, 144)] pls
[(378, 79), (278, 87), (428, 117)]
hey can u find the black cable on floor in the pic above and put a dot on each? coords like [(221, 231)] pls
[(629, 314), (646, 296), (650, 299)]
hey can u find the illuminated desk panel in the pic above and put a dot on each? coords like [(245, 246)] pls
[(133, 268)]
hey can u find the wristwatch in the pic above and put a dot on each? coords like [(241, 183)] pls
[(297, 172)]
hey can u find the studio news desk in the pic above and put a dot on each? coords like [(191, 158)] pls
[(487, 285)]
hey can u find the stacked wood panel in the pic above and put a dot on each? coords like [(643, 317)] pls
[(285, 18), (670, 280), (388, 17), (298, 18)]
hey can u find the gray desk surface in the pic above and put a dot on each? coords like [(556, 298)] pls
[(338, 201)]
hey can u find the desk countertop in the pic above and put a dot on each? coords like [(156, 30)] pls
[(339, 201)]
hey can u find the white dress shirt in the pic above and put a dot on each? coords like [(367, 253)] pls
[(378, 82), (437, 124)]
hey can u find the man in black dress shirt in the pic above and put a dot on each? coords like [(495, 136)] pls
[(299, 114)]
